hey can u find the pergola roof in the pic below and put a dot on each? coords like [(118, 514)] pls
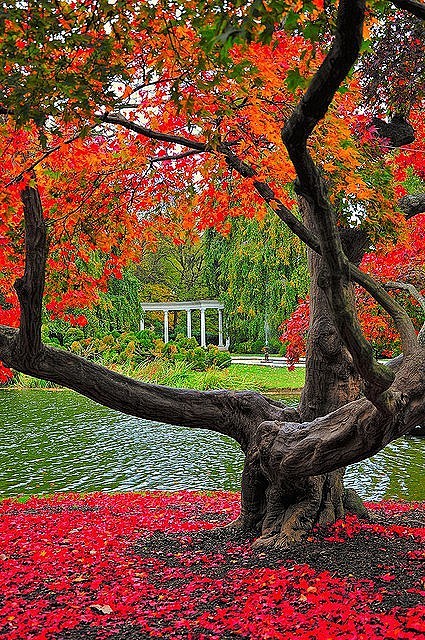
[(182, 306)]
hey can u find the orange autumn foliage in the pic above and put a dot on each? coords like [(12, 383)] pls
[(108, 192)]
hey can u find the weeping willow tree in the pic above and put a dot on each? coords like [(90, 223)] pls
[(259, 271)]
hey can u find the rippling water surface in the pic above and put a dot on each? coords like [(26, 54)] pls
[(59, 441)]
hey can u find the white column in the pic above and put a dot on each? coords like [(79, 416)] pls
[(165, 326), (142, 323), (203, 335), (220, 328), (189, 322)]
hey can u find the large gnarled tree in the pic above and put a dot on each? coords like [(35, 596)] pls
[(352, 406)]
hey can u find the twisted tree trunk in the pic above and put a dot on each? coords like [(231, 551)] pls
[(282, 509)]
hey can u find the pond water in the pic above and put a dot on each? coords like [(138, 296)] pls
[(59, 441)]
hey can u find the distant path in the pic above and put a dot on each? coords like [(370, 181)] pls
[(273, 361)]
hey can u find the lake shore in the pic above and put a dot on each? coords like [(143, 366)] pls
[(237, 377)]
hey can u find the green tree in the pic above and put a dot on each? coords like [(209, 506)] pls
[(173, 271), (259, 270)]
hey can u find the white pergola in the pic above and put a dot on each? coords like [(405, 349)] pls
[(189, 306)]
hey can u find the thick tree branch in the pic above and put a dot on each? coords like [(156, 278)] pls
[(244, 169), (400, 316), (231, 413), (30, 287), (227, 412), (406, 286), (412, 205), (415, 294), (311, 108), (414, 7), (342, 55), (349, 434)]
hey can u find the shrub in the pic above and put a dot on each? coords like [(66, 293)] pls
[(184, 349), (129, 350)]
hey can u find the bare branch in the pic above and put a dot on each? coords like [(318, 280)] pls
[(118, 118), (178, 156), (268, 195), (152, 83), (414, 7), (406, 286), (241, 167)]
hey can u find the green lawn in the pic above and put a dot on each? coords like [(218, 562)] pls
[(265, 378), (237, 376)]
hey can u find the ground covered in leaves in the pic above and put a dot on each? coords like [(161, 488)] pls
[(131, 566)]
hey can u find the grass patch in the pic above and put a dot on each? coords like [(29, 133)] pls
[(237, 377), (268, 378)]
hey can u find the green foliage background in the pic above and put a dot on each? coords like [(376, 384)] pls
[(259, 272)]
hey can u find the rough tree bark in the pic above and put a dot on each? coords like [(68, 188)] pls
[(331, 381), (284, 510)]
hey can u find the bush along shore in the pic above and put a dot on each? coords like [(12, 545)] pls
[(237, 376), (155, 565), (178, 363)]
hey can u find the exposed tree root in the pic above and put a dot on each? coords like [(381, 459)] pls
[(282, 512)]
